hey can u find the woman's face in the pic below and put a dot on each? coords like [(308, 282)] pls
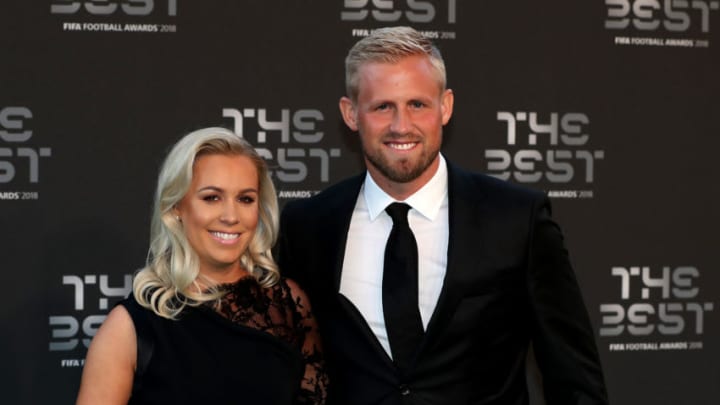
[(219, 213)]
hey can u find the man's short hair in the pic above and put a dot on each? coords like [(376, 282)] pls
[(390, 45)]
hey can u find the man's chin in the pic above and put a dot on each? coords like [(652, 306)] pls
[(401, 174)]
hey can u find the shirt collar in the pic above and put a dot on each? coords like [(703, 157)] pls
[(427, 200)]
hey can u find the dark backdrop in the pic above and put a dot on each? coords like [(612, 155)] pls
[(611, 106)]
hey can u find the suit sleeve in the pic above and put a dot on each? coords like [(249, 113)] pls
[(563, 337), (283, 247)]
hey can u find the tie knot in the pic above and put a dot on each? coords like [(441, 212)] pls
[(398, 212)]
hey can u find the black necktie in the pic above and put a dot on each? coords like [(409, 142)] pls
[(400, 289)]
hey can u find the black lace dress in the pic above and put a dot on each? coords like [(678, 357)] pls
[(256, 346)]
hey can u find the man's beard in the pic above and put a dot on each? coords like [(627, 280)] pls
[(401, 171)]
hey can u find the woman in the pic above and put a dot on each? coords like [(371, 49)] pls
[(210, 320)]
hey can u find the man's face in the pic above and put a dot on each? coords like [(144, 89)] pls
[(399, 114)]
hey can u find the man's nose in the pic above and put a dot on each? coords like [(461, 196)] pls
[(401, 122)]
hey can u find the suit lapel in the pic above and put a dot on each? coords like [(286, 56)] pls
[(340, 208), (464, 216), (342, 205)]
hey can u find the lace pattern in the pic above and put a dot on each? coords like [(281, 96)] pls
[(283, 311)]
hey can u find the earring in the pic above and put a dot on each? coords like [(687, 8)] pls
[(178, 218)]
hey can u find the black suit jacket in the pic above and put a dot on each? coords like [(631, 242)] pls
[(509, 282)]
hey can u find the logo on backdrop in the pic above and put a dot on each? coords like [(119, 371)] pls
[(662, 23), (291, 142), (547, 149), (90, 295), (116, 16), (657, 308), (20, 159), (434, 19)]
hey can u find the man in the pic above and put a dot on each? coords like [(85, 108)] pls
[(483, 264)]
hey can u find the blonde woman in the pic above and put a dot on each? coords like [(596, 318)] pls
[(210, 319)]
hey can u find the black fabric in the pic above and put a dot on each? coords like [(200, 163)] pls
[(145, 341), (252, 347), (400, 289), (509, 282)]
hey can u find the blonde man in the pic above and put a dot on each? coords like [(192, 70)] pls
[(430, 282)]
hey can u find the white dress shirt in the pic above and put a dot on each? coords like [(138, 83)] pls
[(362, 272)]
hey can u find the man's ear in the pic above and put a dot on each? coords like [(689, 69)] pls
[(347, 109), (446, 105)]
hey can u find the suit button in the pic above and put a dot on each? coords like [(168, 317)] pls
[(404, 389)]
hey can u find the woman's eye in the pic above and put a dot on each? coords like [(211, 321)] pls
[(210, 198), (247, 199)]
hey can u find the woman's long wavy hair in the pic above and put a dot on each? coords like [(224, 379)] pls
[(171, 278)]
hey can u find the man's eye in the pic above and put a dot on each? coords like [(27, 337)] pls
[(417, 104), (383, 106)]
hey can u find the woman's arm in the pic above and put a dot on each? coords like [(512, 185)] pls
[(313, 388), (110, 363)]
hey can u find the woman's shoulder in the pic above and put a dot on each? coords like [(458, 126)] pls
[(110, 361), (120, 317), (288, 285), (115, 340)]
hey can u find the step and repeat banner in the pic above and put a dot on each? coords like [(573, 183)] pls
[(610, 106)]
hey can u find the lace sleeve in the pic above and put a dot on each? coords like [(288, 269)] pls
[(313, 389)]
